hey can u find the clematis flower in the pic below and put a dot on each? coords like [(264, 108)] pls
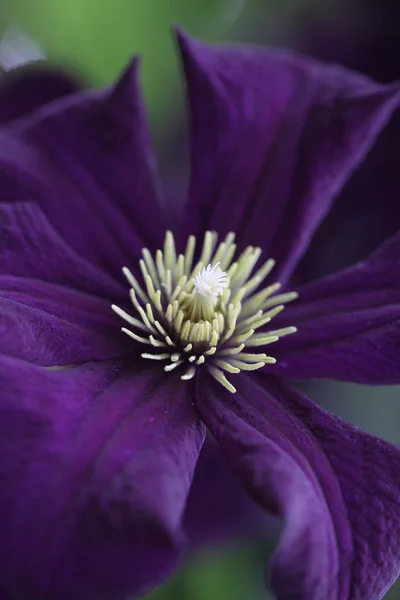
[(101, 429)]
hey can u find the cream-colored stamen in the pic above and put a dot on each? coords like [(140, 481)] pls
[(207, 314)]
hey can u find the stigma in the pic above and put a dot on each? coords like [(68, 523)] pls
[(211, 313), (211, 281)]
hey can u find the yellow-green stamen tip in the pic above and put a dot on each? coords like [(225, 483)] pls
[(204, 315)]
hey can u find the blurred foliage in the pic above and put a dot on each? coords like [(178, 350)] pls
[(226, 574), (96, 38)]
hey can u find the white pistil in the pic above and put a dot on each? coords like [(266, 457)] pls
[(211, 281), (205, 313)]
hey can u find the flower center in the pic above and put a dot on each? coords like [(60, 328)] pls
[(207, 314)]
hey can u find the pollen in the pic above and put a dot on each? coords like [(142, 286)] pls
[(211, 313)]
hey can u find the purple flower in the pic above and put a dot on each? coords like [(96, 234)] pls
[(99, 445)]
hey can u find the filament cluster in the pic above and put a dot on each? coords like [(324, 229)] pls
[(208, 313)]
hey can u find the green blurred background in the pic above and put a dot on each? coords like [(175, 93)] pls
[(93, 39)]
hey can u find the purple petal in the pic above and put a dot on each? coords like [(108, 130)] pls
[(30, 247), (55, 305), (52, 325), (274, 137), (96, 466), (337, 488), (348, 324), (87, 160), (218, 508), (25, 89)]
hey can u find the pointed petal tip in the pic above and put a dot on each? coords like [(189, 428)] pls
[(187, 45), (128, 77), (181, 37)]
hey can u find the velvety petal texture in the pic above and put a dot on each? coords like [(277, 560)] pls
[(86, 159), (32, 248), (274, 137), (51, 325), (55, 305), (348, 324), (337, 488), (99, 463)]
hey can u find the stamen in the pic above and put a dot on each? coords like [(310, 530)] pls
[(206, 315), (134, 336), (173, 366), (155, 356), (131, 320), (189, 374)]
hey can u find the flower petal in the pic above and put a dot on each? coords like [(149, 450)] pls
[(274, 137), (336, 488), (87, 160), (348, 323), (24, 89), (218, 509), (55, 305), (30, 247), (53, 325), (96, 465)]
